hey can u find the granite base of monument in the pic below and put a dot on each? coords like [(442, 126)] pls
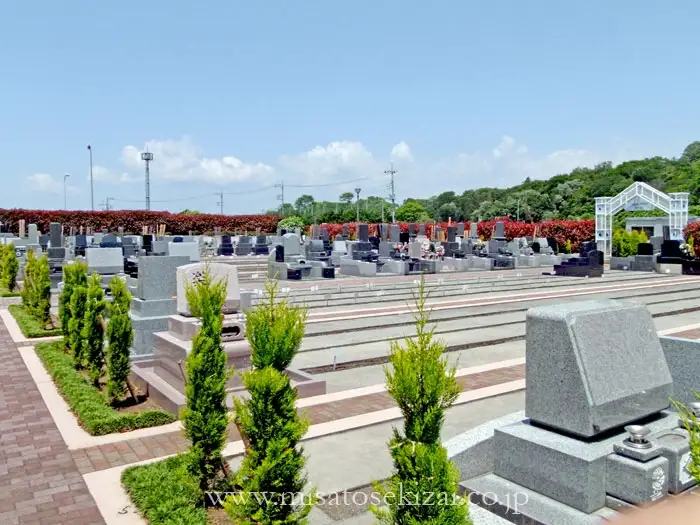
[(163, 375), (597, 435)]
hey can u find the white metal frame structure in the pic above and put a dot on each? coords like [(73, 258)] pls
[(675, 204)]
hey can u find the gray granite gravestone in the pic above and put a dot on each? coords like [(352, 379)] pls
[(473, 230), (460, 229), (362, 232), (597, 436), (499, 231), (421, 229), (154, 301), (394, 233), (573, 386)]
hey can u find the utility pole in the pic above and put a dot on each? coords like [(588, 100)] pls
[(220, 204), (106, 204), (280, 196), (358, 190), (92, 192), (147, 158), (391, 171)]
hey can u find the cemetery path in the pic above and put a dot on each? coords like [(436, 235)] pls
[(39, 481), (106, 456)]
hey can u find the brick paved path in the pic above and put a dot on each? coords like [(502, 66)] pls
[(125, 452), (693, 333), (39, 481)]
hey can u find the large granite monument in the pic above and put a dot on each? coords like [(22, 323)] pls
[(597, 435)]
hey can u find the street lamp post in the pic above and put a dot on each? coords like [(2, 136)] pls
[(357, 191), (92, 191), (65, 191)]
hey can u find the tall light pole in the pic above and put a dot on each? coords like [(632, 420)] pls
[(92, 188), (357, 202), (147, 158), (65, 191), (391, 171)]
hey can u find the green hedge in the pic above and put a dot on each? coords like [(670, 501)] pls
[(165, 492), (29, 325), (4, 292), (89, 404)]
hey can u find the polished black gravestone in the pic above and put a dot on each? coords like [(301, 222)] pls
[(226, 246), (588, 264)]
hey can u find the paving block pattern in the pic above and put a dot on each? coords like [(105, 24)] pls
[(39, 482), (126, 452)]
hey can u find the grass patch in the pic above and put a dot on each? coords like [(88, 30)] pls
[(30, 327), (166, 493), (4, 292), (88, 403)]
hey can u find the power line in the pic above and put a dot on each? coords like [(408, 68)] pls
[(106, 204)]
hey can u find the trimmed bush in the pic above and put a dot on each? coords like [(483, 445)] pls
[(133, 221), (29, 325), (75, 325), (424, 386), (42, 288), (9, 269), (89, 404), (166, 493), (92, 333), (119, 337), (205, 417), (269, 424), (28, 293)]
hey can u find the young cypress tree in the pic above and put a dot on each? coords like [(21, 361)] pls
[(93, 334), (424, 386), (42, 289), (205, 417), (64, 300), (119, 336), (10, 267), (268, 421), (76, 322), (28, 292)]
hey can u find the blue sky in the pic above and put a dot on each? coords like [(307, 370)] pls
[(235, 96)]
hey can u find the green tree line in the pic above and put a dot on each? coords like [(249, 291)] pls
[(564, 196)]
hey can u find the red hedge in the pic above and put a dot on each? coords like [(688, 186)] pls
[(576, 231), (133, 221), (693, 231)]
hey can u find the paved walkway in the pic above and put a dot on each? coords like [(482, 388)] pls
[(125, 452), (39, 481)]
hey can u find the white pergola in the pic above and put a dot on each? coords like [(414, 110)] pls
[(642, 196)]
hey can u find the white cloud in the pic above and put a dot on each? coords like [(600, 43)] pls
[(182, 160), (402, 151), (44, 183), (341, 159), (47, 183)]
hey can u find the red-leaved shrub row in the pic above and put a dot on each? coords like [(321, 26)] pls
[(692, 231), (576, 231), (133, 221)]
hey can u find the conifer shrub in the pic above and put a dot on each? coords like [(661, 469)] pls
[(41, 285), (119, 337), (92, 331), (423, 488), (692, 425), (28, 293), (75, 324), (64, 300), (269, 424), (205, 416), (9, 267)]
